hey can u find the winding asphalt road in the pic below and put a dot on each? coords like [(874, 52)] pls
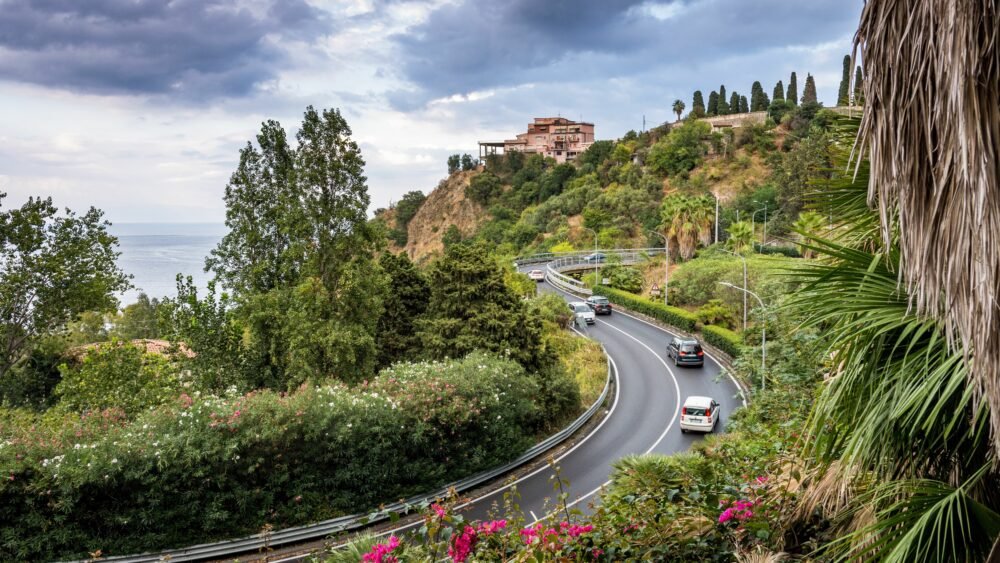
[(643, 418)]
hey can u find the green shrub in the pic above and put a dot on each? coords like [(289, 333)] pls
[(216, 467), (724, 339), (715, 312), (790, 251), (118, 374), (624, 278), (671, 315)]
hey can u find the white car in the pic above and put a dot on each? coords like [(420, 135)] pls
[(700, 414), (582, 311), (537, 275)]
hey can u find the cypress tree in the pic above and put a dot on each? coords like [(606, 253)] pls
[(744, 106), (858, 98), (793, 91), (758, 99), (698, 104), (713, 103), (779, 92), (723, 104), (734, 103), (844, 94), (809, 92)]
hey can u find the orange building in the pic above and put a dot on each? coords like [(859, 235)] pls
[(554, 137)]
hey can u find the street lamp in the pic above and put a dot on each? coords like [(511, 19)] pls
[(754, 220), (763, 334), (597, 263), (741, 257), (666, 265)]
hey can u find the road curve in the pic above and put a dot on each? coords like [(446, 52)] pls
[(643, 418)]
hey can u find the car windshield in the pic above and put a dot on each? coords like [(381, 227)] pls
[(694, 411), (581, 308)]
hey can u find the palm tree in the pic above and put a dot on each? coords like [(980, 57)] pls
[(899, 450), (678, 108), (809, 223), (687, 222), (740, 237)]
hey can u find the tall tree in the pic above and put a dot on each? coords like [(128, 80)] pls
[(779, 92), (857, 99), (723, 104), (756, 90), (844, 94), (713, 103), (698, 104), (406, 300), (454, 163), (734, 103), (809, 92), (472, 308), (745, 105), (299, 254), (678, 108), (793, 90), (53, 266)]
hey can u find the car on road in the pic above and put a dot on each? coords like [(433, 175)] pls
[(599, 304), (595, 258), (582, 311), (685, 351), (537, 275), (700, 414)]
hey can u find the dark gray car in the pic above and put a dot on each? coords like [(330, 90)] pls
[(685, 352)]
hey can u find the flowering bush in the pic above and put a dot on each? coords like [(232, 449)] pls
[(101, 482)]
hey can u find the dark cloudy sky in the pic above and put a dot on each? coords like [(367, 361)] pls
[(140, 106)]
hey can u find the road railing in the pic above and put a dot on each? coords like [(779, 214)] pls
[(557, 264)]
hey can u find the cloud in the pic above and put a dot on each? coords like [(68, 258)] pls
[(474, 46), (194, 49)]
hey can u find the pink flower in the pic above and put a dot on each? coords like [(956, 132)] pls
[(762, 479), (463, 544), (576, 530), (726, 516), (380, 552), (439, 510), (597, 553), (488, 528)]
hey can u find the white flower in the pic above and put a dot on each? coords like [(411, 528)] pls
[(114, 461)]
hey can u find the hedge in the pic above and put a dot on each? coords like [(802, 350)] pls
[(208, 468), (724, 339), (789, 251), (673, 316)]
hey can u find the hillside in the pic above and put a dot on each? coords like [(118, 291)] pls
[(665, 180)]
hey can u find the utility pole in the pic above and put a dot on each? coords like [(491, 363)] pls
[(763, 333), (666, 265)]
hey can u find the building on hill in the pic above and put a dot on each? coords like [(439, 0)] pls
[(553, 137)]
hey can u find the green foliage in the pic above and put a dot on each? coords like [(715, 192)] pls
[(468, 163), (789, 251), (678, 108), (405, 210), (687, 222), (454, 163), (625, 278), (792, 95), (723, 105), (451, 236), (670, 315), (596, 153), (32, 381), (484, 188), (779, 94), (713, 103), (472, 308), (698, 104), (118, 375), (715, 312), (53, 267), (139, 320), (405, 302), (724, 339), (681, 150), (809, 92), (741, 237), (844, 93), (128, 487)]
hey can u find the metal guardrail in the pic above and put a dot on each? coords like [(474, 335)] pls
[(249, 544), (557, 264)]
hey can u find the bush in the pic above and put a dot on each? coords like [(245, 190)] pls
[(120, 487), (671, 315), (789, 251), (724, 339), (120, 375), (715, 312), (624, 278)]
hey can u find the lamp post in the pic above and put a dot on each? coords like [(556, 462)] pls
[(753, 222), (666, 265), (763, 334), (741, 257), (597, 263)]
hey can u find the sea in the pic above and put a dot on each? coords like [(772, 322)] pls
[(154, 253)]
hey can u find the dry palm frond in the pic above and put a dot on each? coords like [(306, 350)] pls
[(827, 489), (931, 127), (760, 556)]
